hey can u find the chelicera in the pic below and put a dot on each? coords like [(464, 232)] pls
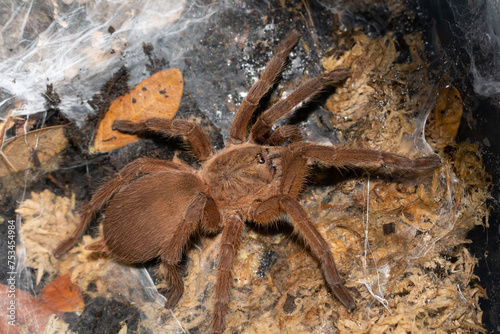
[(153, 206)]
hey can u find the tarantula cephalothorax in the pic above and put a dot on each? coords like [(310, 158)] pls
[(154, 206)]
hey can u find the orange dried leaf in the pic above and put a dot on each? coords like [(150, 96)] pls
[(23, 308), (157, 96), (62, 295), (444, 121)]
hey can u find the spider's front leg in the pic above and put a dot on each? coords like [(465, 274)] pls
[(364, 158), (266, 211), (303, 93), (283, 133), (262, 86), (194, 135)]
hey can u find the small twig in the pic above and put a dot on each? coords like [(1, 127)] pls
[(8, 161), (3, 129)]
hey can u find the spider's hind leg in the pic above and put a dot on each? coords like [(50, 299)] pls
[(98, 246), (172, 274), (201, 213)]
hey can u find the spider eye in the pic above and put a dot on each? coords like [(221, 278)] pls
[(260, 158)]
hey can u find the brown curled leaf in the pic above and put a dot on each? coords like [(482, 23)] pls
[(62, 295), (444, 120), (36, 148), (157, 96)]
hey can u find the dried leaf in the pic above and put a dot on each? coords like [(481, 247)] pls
[(62, 295), (18, 153), (442, 124), (26, 308), (157, 96)]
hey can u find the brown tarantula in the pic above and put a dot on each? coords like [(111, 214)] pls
[(154, 206)]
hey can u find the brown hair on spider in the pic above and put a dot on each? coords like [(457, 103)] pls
[(154, 206)]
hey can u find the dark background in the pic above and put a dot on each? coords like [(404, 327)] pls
[(460, 46)]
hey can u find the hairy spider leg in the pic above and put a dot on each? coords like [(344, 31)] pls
[(233, 226), (265, 212), (192, 133), (274, 67), (365, 158), (283, 133), (305, 91), (295, 170), (203, 213)]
